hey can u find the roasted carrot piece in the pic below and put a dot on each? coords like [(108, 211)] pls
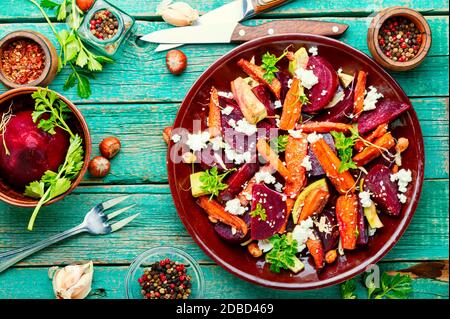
[(372, 152), (324, 127), (257, 73), (167, 134), (246, 192), (214, 117), (296, 150), (358, 100), (378, 132), (289, 205), (316, 250), (215, 210), (292, 106), (314, 203), (343, 182), (347, 214), (272, 158)]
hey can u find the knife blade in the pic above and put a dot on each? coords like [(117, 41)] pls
[(236, 32), (235, 11)]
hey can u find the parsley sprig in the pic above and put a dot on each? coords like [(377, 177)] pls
[(269, 62), (52, 184), (283, 252), (83, 63), (279, 143), (348, 289), (259, 211), (212, 181), (344, 146)]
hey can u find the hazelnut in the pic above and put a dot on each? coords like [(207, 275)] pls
[(254, 250), (330, 256), (109, 147), (99, 166)]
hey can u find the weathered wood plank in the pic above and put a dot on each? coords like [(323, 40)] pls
[(141, 76), (425, 239), (109, 283), (147, 9)]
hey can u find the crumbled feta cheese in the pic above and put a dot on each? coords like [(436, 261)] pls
[(217, 143), (307, 77), (295, 134), (306, 163), (289, 83), (279, 187), (233, 231), (402, 198), (227, 110), (339, 96), (314, 137), (197, 142), (176, 138), (228, 95), (323, 226), (364, 198), (245, 127), (277, 122), (339, 71), (234, 207), (371, 99), (265, 245), (403, 177), (302, 233), (372, 231), (264, 176), (278, 104), (313, 50), (324, 92), (235, 157)]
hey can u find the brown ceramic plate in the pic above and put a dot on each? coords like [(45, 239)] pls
[(235, 259)]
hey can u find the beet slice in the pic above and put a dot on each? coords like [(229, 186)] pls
[(384, 192), (316, 168), (328, 83), (329, 238), (363, 230), (238, 179), (225, 232), (385, 112), (275, 207), (263, 94), (283, 77), (342, 110)]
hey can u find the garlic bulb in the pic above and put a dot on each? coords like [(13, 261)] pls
[(179, 14), (72, 282)]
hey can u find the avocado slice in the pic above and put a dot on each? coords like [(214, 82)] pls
[(300, 60), (372, 216), (196, 185), (321, 183)]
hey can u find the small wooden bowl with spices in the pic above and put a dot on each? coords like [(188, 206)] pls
[(399, 38), (27, 58)]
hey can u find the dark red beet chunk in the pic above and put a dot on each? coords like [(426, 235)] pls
[(238, 179), (316, 168), (328, 83), (329, 239), (32, 151), (384, 192), (209, 158), (224, 231), (283, 77), (275, 207), (363, 230), (386, 112)]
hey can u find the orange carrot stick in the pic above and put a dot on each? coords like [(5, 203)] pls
[(257, 73), (378, 132), (316, 250), (215, 210), (214, 117), (292, 106), (372, 152), (343, 182), (314, 203), (272, 158), (358, 100), (346, 214), (289, 205), (296, 150), (324, 127)]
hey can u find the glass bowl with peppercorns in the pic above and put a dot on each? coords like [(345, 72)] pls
[(399, 38), (164, 273)]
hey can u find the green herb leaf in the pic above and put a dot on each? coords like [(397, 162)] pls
[(283, 252), (83, 86), (392, 287), (304, 99), (348, 289), (212, 181), (82, 59), (70, 81), (61, 13), (259, 211), (34, 189), (280, 143), (344, 146), (268, 64), (48, 4)]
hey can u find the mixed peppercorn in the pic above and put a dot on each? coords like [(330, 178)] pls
[(23, 61), (165, 279), (104, 25), (399, 39)]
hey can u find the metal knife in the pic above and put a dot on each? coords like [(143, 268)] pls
[(235, 11), (236, 32)]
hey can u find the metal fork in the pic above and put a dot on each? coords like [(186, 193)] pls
[(96, 222)]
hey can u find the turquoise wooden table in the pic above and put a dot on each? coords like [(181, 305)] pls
[(136, 97)]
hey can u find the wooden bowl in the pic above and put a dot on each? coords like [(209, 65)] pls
[(375, 26), (51, 58), (15, 197)]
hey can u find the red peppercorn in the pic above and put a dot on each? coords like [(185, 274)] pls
[(157, 294)]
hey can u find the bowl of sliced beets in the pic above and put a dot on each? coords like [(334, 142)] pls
[(296, 162), (45, 147)]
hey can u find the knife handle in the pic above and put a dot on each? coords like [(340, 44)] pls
[(244, 33)]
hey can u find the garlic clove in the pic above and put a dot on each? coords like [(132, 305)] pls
[(73, 281), (179, 14)]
